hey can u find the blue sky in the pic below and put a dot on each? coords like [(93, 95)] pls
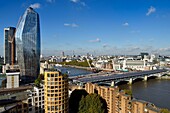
[(100, 27)]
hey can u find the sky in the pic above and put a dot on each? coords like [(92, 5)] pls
[(98, 27)]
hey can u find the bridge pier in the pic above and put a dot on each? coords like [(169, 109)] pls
[(113, 83), (159, 75), (145, 78), (130, 81)]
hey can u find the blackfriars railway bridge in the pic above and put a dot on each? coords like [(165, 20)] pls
[(113, 79)]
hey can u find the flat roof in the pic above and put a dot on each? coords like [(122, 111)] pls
[(12, 73)]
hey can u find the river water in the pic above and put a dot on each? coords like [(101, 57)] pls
[(73, 71), (154, 91)]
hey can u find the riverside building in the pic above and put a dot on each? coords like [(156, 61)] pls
[(9, 46), (28, 45), (119, 102), (56, 92)]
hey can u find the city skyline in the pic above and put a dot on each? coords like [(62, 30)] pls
[(96, 26)]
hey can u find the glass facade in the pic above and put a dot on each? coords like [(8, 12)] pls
[(28, 44)]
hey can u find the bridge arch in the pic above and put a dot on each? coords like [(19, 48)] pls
[(121, 82), (104, 84), (138, 79)]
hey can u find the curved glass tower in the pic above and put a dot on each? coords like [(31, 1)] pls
[(28, 44)]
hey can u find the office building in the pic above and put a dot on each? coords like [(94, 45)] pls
[(111, 96), (56, 92), (9, 52), (36, 100), (119, 102), (12, 80), (29, 101), (28, 45)]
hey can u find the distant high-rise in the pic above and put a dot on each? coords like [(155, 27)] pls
[(56, 92), (9, 52), (28, 44)]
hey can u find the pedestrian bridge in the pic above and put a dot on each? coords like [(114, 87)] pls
[(129, 77)]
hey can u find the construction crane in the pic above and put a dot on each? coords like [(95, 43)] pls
[(11, 40), (93, 69)]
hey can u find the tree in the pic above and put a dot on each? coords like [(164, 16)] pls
[(41, 76), (75, 98), (165, 111), (92, 103), (38, 80), (128, 92)]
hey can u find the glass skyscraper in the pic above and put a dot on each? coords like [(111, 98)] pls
[(9, 52), (28, 44)]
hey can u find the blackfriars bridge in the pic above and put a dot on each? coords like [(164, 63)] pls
[(129, 77)]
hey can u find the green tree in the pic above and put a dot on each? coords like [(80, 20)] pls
[(128, 92), (92, 103), (75, 98), (165, 111), (38, 80)]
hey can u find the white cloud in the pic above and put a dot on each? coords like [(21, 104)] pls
[(96, 40), (105, 45), (71, 25), (35, 6), (78, 2), (75, 1), (50, 1), (164, 49), (66, 24), (151, 10), (83, 3), (135, 31), (74, 25), (126, 24)]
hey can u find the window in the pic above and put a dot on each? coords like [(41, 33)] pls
[(48, 79), (29, 100), (52, 75), (56, 107), (48, 107), (30, 109), (48, 75), (52, 108), (56, 74)]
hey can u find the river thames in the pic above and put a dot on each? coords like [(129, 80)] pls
[(154, 90)]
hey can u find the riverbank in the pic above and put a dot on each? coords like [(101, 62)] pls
[(78, 67), (164, 77)]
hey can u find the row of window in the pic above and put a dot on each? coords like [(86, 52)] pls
[(52, 75), (56, 83), (52, 87), (55, 79), (59, 107), (57, 98), (57, 91)]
